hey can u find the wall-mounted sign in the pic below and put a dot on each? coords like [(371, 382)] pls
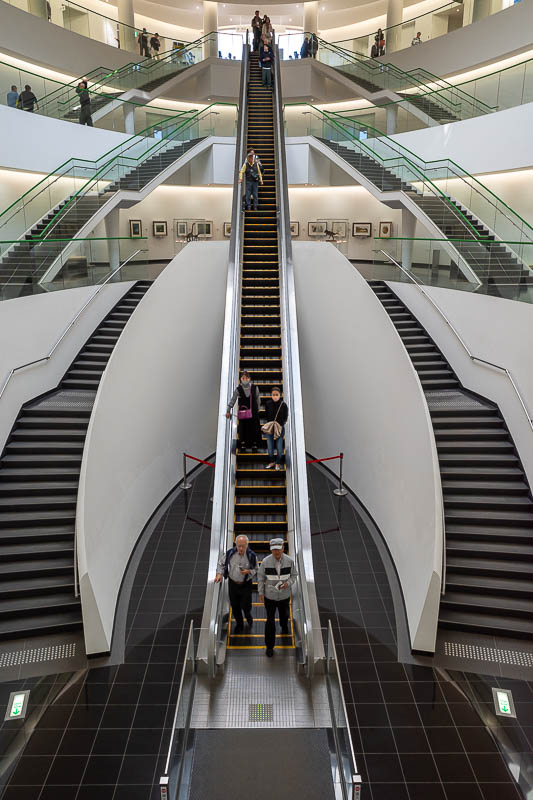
[(17, 705), (503, 703)]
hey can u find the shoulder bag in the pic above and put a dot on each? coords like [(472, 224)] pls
[(243, 412), (273, 428)]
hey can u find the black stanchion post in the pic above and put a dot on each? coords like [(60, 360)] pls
[(185, 484)]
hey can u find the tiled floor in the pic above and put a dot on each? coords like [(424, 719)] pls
[(418, 733), (104, 733)]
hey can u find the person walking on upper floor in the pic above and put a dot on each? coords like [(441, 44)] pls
[(275, 577), (249, 429), (12, 97), (267, 31), (276, 413), (380, 42), (239, 566), (251, 170), (143, 43), (266, 62), (304, 49), (155, 44), (85, 103), (313, 46), (257, 26), (417, 39), (27, 100)]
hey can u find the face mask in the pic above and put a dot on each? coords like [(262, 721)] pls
[(245, 384)]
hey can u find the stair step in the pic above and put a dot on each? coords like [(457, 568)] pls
[(486, 623), (40, 624)]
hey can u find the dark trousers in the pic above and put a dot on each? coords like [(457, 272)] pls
[(240, 596), (271, 606), (252, 190), (266, 76), (257, 38), (85, 116)]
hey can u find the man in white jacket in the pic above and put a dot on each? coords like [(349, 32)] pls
[(275, 577)]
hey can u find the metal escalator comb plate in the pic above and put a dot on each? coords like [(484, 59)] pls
[(260, 712)]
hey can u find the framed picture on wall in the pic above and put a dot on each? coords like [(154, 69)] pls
[(385, 230), (159, 228), (136, 229), (362, 229), (181, 229), (295, 228), (317, 228), (203, 229), (227, 229), (339, 228)]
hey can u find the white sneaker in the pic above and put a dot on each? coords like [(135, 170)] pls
[(278, 467), (269, 466)]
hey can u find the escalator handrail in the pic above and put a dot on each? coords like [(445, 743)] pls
[(296, 468), (226, 429)]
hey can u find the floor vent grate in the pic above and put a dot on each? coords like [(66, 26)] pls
[(261, 712), (480, 653), (37, 655)]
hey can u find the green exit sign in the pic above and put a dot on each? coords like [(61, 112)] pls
[(17, 705), (503, 702)]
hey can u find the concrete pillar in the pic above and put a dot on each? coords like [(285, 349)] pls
[(468, 10), (125, 31), (57, 12), (408, 232), (392, 118), (210, 26), (38, 8), (112, 232), (311, 16), (393, 39), (129, 118)]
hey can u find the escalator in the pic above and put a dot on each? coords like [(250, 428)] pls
[(488, 506), (39, 476), (260, 494)]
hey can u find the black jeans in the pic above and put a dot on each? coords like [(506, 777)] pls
[(257, 38), (240, 596), (85, 116), (271, 606), (252, 191)]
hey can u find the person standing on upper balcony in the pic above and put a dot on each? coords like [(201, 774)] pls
[(266, 62), (257, 25), (143, 43), (380, 41), (12, 97), (304, 49), (85, 103), (155, 44), (27, 100), (313, 46), (417, 39)]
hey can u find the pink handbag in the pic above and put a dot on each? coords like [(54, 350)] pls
[(246, 413)]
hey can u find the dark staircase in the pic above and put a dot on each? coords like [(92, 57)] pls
[(26, 262), (488, 506), (260, 494), (39, 475), (434, 110), (496, 267)]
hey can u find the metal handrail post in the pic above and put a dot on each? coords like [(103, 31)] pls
[(340, 491)]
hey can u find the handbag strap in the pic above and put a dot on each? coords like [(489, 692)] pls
[(252, 389)]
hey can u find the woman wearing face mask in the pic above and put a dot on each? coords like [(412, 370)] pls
[(276, 413), (249, 399)]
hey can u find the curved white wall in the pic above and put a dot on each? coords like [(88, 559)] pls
[(158, 398), (362, 396)]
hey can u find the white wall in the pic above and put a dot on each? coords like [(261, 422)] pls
[(494, 329), (362, 396), (30, 326), (42, 42), (158, 397)]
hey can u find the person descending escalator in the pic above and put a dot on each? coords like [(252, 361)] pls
[(257, 26), (249, 397), (275, 577), (266, 62), (276, 413), (239, 566), (251, 170)]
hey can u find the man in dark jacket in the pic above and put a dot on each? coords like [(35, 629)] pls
[(257, 24), (239, 566), (27, 100), (251, 170), (143, 43), (85, 104), (266, 62), (304, 49)]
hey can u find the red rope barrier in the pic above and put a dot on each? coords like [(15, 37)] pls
[(201, 461), (330, 458)]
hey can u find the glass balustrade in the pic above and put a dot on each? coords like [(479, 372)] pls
[(432, 262)]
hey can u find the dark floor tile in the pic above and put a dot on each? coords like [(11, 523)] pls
[(66, 770), (77, 742), (144, 742), (136, 792), (386, 791), (30, 771), (489, 768), (453, 767), (435, 715), (419, 768), (366, 692), (391, 672), (501, 791), (22, 793), (383, 768), (118, 716), (95, 793), (372, 715), (397, 692), (137, 770), (43, 743), (102, 769), (478, 740), (463, 791), (426, 791), (444, 740), (58, 792), (464, 715), (377, 740), (110, 741), (411, 740), (404, 715)]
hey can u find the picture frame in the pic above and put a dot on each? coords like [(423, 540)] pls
[(317, 228), (362, 229), (203, 228), (159, 228), (136, 229), (181, 229), (227, 229), (295, 228), (339, 228), (385, 230)]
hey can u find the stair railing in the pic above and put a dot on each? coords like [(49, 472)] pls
[(466, 348), (304, 601), (216, 602)]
